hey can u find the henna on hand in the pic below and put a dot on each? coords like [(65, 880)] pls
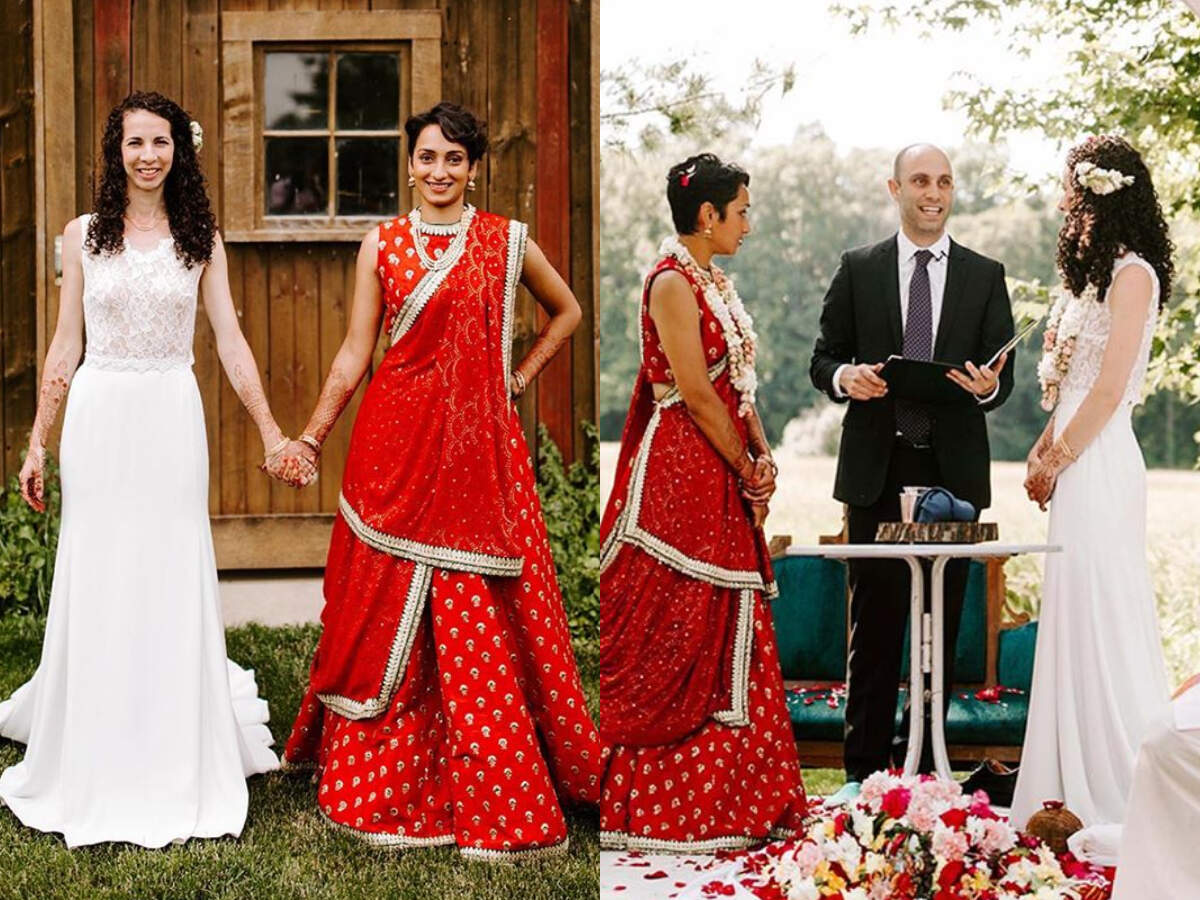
[(32, 479), (295, 464)]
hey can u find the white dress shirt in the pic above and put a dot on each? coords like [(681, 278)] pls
[(906, 259)]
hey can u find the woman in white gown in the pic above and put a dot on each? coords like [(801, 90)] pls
[(1158, 848), (138, 728), (1099, 681)]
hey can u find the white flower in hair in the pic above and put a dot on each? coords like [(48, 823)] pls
[(1100, 181), (197, 134)]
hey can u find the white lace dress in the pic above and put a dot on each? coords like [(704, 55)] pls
[(1099, 680), (138, 728)]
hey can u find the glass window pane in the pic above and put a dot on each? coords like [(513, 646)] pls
[(368, 91), (296, 90), (295, 176), (368, 180)]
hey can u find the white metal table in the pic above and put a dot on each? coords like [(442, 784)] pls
[(927, 641)]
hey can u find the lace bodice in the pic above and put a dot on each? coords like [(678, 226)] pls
[(139, 308), (1090, 321)]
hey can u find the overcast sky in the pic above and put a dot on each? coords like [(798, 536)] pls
[(883, 89)]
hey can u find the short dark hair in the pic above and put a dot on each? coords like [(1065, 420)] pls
[(700, 179), (458, 124)]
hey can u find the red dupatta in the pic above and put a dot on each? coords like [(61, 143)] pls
[(426, 478), (429, 476)]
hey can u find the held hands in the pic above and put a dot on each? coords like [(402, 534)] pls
[(862, 382), (294, 463), (32, 480), (758, 485), (980, 381)]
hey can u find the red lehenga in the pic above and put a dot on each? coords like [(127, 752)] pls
[(444, 703), (690, 688)]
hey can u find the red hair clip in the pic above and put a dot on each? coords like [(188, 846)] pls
[(687, 175)]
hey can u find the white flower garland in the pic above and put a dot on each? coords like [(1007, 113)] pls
[(1058, 344), (736, 325), (1100, 181)]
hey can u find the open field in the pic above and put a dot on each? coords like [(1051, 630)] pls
[(804, 508)]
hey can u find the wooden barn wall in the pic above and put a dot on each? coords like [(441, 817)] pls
[(527, 66), (18, 233)]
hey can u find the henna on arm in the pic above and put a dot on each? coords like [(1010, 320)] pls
[(350, 364), (236, 357), (339, 387), (555, 297), (58, 368)]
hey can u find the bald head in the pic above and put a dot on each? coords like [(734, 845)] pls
[(922, 184), (913, 152)]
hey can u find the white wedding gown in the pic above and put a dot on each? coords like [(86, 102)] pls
[(1099, 680), (138, 728)]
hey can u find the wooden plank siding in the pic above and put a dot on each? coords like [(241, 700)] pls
[(18, 233), (527, 66)]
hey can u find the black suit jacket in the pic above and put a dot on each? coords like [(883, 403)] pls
[(860, 323)]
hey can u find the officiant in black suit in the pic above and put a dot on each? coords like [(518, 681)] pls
[(921, 295)]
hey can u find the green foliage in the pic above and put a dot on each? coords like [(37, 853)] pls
[(645, 105), (570, 498), (28, 542)]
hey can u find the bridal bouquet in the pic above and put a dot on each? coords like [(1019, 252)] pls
[(916, 838)]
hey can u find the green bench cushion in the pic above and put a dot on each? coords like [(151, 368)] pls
[(1014, 658), (810, 618), (810, 621), (970, 721)]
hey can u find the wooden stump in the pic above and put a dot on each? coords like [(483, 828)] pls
[(936, 532)]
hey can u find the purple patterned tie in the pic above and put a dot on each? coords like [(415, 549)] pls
[(912, 419)]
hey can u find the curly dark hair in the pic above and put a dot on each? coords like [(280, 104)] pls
[(1099, 228), (189, 213), (700, 179), (459, 126)]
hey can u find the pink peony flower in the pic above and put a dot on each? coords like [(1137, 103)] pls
[(948, 844)]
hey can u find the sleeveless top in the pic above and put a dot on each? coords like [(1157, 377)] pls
[(1090, 320), (654, 360), (139, 307)]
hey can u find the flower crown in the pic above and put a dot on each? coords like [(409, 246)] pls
[(197, 134), (1100, 181)]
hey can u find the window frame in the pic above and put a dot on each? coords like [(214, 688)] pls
[(246, 38)]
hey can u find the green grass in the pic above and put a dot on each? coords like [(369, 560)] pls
[(285, 851)]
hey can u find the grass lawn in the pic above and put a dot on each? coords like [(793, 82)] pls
[(285, 850)]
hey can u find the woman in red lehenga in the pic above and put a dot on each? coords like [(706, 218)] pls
[(690, 688), (444, 703)]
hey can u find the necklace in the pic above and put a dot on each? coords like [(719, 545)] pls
[(736, 325), (459, 229), (153, 222)]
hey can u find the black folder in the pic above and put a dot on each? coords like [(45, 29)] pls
[(922, 381)]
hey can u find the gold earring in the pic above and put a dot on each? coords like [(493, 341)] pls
[(708, 231), (470, 184), (412, 182)]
